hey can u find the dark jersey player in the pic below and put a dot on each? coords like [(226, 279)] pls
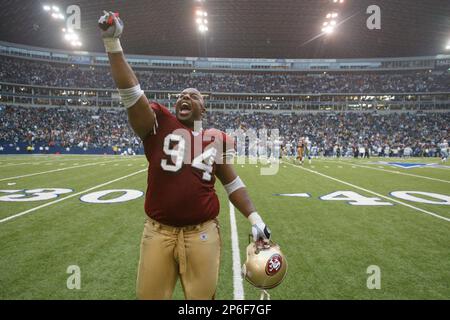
[(181, 235), (179, 173)]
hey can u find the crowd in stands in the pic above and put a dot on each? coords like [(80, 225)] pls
[(64, 127), (342, 134), (42, 73), (331, 134)]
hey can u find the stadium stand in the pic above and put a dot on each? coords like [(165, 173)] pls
[(63, 103), (75, 76), (98, 131)]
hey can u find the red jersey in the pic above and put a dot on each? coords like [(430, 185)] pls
[(181, 172)]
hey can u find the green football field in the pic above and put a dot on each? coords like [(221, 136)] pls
[(335, 220)]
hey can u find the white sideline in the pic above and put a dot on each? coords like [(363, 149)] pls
[(15, 164), (238, 292), (374, 193), (396, 172), (68, 197), (47, 159), (55, 170)]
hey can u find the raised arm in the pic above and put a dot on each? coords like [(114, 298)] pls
[(238, 195), (140, 115)]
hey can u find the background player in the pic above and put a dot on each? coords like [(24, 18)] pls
[(444, 150), (308, 149), (181, 235), (300, 150)]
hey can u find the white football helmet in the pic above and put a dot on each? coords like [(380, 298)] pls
[(266, 265)]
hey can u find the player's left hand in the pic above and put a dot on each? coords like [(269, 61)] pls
[(259, 229), (261, 232)]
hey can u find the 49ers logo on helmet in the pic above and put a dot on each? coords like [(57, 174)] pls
[(274, 264)]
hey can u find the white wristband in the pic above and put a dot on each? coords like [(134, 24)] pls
[(131, 95), (234, 185), (112, 45), (255, 218)]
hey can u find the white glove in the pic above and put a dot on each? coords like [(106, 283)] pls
[(112, 28), (259, 229)]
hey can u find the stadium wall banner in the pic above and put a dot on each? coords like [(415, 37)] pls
[(21, 148)]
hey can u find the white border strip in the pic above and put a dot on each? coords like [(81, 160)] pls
[(396, 172), (68, 197), (372, 192), (238, 288)]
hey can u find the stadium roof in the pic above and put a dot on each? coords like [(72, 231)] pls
[(242, 28)]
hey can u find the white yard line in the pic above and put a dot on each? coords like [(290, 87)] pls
[(372, 192), (67, 197), (238, 288), (55, 170)]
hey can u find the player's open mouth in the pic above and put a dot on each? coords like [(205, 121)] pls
[(185, 109)]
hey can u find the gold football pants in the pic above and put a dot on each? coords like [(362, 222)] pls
[(192, 253)]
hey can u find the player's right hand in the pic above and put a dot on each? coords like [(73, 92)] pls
[(111, 25)]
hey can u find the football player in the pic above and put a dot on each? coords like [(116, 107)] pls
[(181, 234), (444, 150), (307, 147), (300, 150)]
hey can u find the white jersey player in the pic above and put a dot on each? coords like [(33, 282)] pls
[(444, 150), (308, 149)]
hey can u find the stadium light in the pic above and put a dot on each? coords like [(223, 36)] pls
[(331, 15), (71, 36), (202, 28), (55, 8), (59, 16), (328, 30), (201, 20), (46, 8)]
